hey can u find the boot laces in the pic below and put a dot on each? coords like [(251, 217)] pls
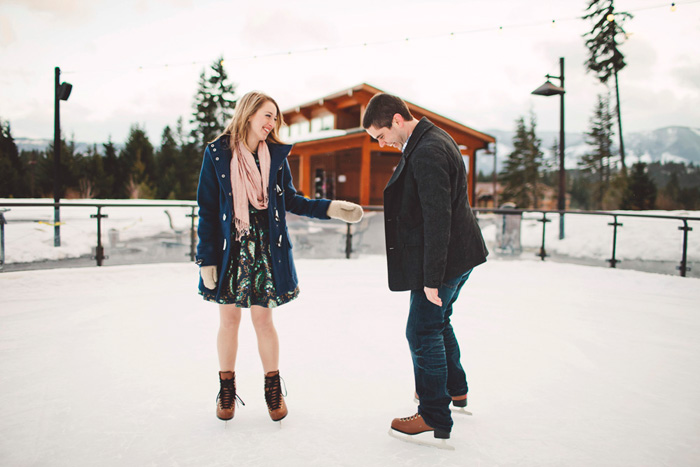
[(274, 392), (409, 419), (227, 394)]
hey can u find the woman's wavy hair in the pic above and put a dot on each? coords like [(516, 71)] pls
[(237, 129)]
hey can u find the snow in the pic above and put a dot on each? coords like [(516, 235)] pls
[(568, 365)]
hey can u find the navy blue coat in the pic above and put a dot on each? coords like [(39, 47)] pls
[(215, 200)]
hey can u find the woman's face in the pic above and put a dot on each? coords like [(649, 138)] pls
[(261, 123)]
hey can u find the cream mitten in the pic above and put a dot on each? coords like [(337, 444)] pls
[(209, 276), (346, 211)]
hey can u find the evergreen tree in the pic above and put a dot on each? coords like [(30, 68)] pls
[(167, 159), (598, 162), (115, 177), (214, 102), (189, 163), (521, 173), (11, 169), (30, 160), (138, 160), (605, 58), (70, 161), (641, 191), (91, 174)]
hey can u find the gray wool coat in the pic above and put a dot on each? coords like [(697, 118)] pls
[(431, 232)]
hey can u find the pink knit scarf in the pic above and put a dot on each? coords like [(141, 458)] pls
[(248, 184)]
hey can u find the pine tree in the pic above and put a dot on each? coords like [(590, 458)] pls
[(138, 162), (167, 162), (598, 161), (11, 169), (214, 102), (605, 58), (114, 178), (521, 173), (641, 190)]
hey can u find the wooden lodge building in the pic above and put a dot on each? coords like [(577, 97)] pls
[(334, 157)]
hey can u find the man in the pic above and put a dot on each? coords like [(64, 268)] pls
[(432, 243)]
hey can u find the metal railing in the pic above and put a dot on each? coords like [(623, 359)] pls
[(685, 228), (99, 249), (192, 206)]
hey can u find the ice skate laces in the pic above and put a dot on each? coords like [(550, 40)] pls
[(273, 391), (227, 394)]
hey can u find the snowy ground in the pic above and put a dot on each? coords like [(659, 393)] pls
[(568, 366)]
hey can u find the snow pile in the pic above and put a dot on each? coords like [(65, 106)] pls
[(567, 365)]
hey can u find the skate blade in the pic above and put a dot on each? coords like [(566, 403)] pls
[(430, 442), (460, 410)]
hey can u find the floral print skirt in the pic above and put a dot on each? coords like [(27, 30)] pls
[(248, 279)]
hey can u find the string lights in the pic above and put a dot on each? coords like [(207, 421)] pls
[(500, 29)]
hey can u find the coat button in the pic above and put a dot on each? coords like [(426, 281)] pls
[(279, 241), (277, 216), (224, 218), (214, 149), (212, 144), (217, 158), (223, 175), (224, 244), (230, 194)]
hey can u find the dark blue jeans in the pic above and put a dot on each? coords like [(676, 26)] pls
[(438, 372)]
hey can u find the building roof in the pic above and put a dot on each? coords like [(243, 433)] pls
[(360, 95)]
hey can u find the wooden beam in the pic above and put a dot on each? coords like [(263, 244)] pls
[(365, 171), (304, 184)]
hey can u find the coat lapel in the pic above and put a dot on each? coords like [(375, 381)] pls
[(423, 125)]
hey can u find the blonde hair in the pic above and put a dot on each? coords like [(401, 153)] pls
[(237, 129)]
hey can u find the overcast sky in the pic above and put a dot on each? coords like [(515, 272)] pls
[(138, 61)]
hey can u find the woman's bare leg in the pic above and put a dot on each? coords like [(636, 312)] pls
[(268, 342), (227, 339)]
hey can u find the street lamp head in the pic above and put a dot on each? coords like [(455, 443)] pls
[(63, 91), (548, 89)]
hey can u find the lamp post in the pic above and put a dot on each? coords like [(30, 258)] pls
[(62, 91), (548, 89)]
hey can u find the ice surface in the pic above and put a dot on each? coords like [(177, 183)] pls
[(568, 366)]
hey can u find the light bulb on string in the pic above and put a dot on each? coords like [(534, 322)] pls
[(673, 6), (554, 23), (610, 17)]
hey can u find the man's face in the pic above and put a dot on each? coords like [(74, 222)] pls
[(393, 136)]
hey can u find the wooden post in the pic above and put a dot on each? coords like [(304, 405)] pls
[(365, 172), (304, 176)]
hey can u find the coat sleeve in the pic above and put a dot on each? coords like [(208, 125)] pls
[(432, 175), (299, 205), (208, 229)]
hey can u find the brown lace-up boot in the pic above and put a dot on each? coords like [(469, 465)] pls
[(226, 400), (414, 425), (274, 396)]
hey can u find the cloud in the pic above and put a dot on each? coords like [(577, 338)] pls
[(62, 8)]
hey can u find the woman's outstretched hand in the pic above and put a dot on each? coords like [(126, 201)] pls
[(345, 211), (209, 276)]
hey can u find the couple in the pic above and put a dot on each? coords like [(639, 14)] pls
[(432, 240)]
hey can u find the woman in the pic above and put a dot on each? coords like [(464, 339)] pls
[(244, 251)]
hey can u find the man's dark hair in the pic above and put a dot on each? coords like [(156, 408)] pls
[(381, 109)]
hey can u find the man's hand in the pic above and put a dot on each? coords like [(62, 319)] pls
[(432, 295)]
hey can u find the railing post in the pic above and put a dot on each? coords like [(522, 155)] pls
[(193, 235), (615, 224), (99, 251), (543, 254), (684, 265), (348, 243)]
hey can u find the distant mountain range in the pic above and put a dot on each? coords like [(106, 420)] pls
[(670, 144)]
